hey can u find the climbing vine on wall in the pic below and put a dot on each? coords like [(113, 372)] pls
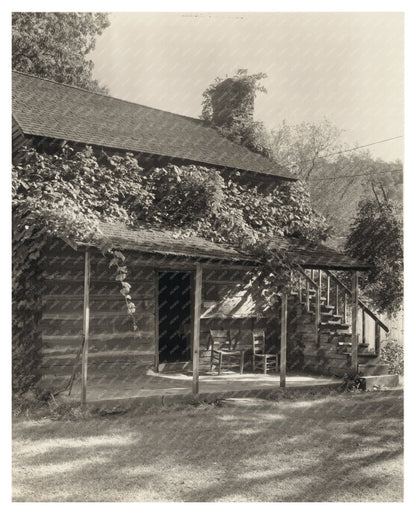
[(66, 192)]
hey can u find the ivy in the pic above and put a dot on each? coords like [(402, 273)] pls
[(66, 193)]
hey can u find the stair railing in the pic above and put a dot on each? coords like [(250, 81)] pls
[(342, 296), (365, 311)]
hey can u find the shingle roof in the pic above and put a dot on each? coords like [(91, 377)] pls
[(318, 256), (167, 242), (45, 108)]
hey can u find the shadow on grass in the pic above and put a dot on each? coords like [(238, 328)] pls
[(340, 448)]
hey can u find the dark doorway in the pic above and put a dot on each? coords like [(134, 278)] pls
[(174, 316)]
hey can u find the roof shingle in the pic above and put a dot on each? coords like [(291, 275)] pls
[(167, 242), (45, 108)]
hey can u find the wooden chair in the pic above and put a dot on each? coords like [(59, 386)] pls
[(222, 347), (268, 361)]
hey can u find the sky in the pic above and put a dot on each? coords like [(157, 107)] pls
[(346, 67)]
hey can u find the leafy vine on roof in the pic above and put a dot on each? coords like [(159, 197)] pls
[(66, 193)]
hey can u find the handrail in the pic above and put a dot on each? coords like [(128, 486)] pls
[(300, 270), (360, 303)]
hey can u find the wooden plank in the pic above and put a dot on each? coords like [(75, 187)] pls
[(85, 329), (196, 328), (283, 341), (354, 323)]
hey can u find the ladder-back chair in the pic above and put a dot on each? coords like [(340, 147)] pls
[(223, 352), (261, 359)]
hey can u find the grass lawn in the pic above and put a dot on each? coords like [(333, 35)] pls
[(333, 448)]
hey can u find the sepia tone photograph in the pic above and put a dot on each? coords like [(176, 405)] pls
[(207, 256)]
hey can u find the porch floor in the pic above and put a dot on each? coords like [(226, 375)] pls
[(179, 384)]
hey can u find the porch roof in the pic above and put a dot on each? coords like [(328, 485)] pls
[(167, 242)]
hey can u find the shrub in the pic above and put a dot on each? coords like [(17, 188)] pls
[(392, 352)]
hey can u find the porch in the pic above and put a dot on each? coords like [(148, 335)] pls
[(176, 387)]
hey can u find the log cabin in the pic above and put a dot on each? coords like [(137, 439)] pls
[(183, 287)]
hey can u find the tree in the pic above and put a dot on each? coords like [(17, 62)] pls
[(55, 45), (376, 237), (338, 179), (228, 104), (302, 148)]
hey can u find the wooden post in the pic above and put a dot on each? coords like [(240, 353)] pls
[(308, 307), (85, 328), (363, 336), (354, 323), (156, 307), (377, 339), (196, 328), (328, 290), (336, 299), (318, 307), (345, 307), (283, 341)]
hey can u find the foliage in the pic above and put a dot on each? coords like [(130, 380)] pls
[(55, 45), (303, 147), (182, 195), (353, 382), (338, 179), (66, 193), (376, 237), (392, 353), (229, 105)]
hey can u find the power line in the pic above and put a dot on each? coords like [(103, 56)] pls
[(358, 175), (347, 150), (362, 146)]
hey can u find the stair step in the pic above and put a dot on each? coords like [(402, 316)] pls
[(348, 344), (331, 317), (373, 370), (334, 325)]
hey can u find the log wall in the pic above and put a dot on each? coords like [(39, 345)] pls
[(115, 350)]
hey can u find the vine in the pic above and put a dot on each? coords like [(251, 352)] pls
[(66, 192)]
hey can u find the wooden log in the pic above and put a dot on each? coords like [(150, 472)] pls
[(354, 323), (85, 329), (283, 341), (196, 328)]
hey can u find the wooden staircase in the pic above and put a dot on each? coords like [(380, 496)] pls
[(328, 307)]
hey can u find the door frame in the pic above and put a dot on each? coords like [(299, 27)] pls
[(191, 272)]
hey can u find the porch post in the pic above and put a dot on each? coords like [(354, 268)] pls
[(85, 328), (354, 323), (283, 341), (318, 307), (196, 329)]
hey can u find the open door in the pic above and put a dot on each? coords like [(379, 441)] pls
[(174, 298)]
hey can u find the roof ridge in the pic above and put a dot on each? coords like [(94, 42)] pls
[(63, 84)]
